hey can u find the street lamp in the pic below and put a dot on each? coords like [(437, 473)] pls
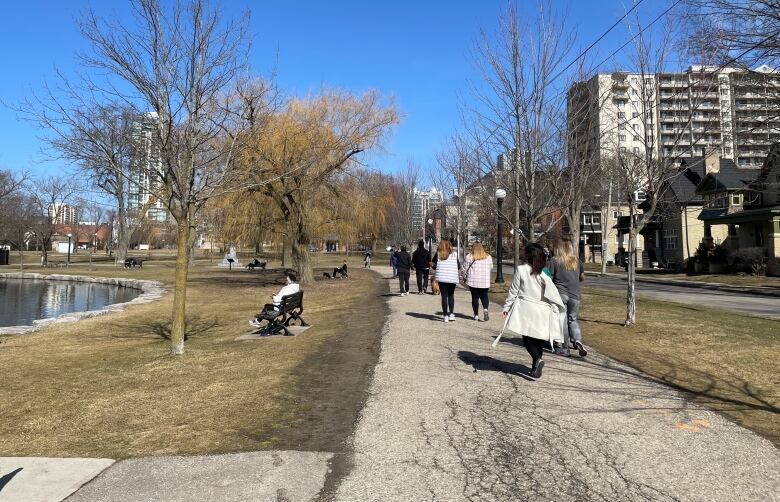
[(430, 237), (69, 236), (500, 196)]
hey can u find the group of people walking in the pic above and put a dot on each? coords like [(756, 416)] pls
[(543, 300)]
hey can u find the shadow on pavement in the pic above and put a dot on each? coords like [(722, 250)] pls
[(487, 363), (420, 315)]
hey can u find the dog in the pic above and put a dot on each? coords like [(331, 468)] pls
[(133, 262), (434, 286)]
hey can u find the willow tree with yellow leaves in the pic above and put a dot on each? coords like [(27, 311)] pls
[(299, 155)]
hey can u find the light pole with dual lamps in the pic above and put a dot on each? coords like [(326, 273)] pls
[(69, 236), (500, 196)]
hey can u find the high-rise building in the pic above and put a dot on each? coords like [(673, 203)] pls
[(63, 214), (729, 112), (423, 202), (143, 166)]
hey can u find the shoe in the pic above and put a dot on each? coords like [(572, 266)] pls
[(476, 317), (536, 370), (452, 317), (446, 318), (562, 353), (580, 348), (485, 315), (255, 323)]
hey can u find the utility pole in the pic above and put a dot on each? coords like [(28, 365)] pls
[(605, 230)]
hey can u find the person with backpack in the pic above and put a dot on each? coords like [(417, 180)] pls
[(421, 261), (476, 272), (367, 258), (394, 261), (567, 273), (447, 265), (404, 267), (534, 309)]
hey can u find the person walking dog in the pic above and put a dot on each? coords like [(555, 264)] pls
[(476, 273), (404, 267), (533, 308), (446, 264), (567, 273), (421, 261)]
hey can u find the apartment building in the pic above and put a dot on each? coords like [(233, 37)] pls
[(63, 214), (728, 112), (423, 202), (143, 166)]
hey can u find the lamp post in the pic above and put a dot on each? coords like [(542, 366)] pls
[(500, 196), (430, 237), (69, 236)]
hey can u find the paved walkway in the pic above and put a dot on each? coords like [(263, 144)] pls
[(450, 418)]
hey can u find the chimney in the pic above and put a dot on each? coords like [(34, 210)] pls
[(712, 162)]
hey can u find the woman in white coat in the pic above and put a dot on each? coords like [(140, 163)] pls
[(534, 308)]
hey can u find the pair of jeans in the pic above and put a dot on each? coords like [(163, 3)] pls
[(477, 295), (447, 297), (535, 347), (422, 279), (403, 280), (571, 325)]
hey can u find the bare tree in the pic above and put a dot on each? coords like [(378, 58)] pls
[(399, 226), (51, 196), (519, 113), (176, 68), (740, 32), (11, 183)]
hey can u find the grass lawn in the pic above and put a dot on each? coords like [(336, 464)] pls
[(746, 280), (105, 387), (724, 361)]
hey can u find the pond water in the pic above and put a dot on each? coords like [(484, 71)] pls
[(24, 300)]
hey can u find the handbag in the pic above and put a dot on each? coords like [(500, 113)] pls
[(464, 276)]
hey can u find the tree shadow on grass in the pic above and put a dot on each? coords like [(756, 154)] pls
[(194, 325), (487, 363), (240, 277)]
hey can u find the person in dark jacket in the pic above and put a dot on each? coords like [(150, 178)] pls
[(404, 267), (421, 261), (394, 261)]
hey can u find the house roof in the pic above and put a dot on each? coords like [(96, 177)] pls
[(729, 177), (683, 186)]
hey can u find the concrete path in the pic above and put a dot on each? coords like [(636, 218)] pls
[(38, 479), (450, 418), (281, 476)]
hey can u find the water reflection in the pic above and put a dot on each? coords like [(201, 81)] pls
[(24, 300)]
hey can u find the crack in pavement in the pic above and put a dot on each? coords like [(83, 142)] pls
[(450, 418)]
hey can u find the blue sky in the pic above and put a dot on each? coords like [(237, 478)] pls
[(417, 51)]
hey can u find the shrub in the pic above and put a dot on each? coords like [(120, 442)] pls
[(750, 260), (773, 267), (720, 255), (703, 252), (690, 265)]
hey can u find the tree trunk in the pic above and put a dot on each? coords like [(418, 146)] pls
[(299, 252), (631, 286), (180, 286), (21, 258), (123, 239)]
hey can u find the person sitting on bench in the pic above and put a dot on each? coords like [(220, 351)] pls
[(271, 309), (340, 271)]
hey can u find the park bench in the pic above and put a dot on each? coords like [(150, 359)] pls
[(133, 262), (255, 264), (288, 311)]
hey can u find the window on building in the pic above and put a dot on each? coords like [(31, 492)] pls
[(621, 104), (670, 238), (623, 149), (622, 138), (637, 139), (635, 127), (634, 114), (724, 92), (587, 219), (616, 215), (636, 150), (648, 80), (622, 127), (736, 199), (621, 115)]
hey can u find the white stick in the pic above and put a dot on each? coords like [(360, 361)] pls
[(495, 342)]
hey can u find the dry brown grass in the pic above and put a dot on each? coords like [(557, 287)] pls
[(725, 361), (738, 280), (105, 387)]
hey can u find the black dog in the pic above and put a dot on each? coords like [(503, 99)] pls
[(255, 264)]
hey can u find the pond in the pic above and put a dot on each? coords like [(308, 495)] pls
[(22, 301)]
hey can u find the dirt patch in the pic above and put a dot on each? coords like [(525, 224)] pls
[(333, 383)]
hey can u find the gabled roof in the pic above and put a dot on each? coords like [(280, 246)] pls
[(729, 177), (683, 185)]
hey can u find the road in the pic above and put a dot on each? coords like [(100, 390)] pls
[(758, 305)]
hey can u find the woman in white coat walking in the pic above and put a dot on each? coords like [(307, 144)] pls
[(534, 308), (446, 264)]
